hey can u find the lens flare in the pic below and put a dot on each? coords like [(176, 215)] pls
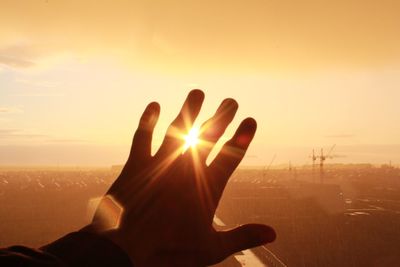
[(192, 138)]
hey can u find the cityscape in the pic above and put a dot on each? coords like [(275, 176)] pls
[(348, 218)]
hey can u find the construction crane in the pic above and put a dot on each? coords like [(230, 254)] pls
[(266, 169), (322, 158), (313, 158)]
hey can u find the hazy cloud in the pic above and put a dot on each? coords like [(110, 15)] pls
[(19, 56), (66, 141), (39, 94), (16, 133), (7, 131), (15, 62), (256, 34), (42, 84), (52, 154), (9, 110), (340, 136)]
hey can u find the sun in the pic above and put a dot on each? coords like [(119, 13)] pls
[(192, 138)]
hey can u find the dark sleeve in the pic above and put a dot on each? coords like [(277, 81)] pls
[(75, 249)]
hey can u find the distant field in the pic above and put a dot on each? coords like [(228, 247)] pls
[(351, 217)]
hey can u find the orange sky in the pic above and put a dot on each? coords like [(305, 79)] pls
[(75, 75)]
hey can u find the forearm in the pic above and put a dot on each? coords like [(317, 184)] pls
[(87, 249), (75, 249)]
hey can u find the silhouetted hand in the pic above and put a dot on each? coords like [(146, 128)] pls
[(160, 209)]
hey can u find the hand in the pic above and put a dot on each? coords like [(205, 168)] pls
[(160, 209)]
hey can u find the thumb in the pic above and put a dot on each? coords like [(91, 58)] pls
[(245, 237)]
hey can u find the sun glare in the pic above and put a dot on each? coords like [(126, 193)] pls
[(192, 138)]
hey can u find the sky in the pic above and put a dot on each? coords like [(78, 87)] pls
[(76, 75)]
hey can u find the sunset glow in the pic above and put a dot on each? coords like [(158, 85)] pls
[(73, 83)]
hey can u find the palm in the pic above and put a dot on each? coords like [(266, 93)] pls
[(169, 199)]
